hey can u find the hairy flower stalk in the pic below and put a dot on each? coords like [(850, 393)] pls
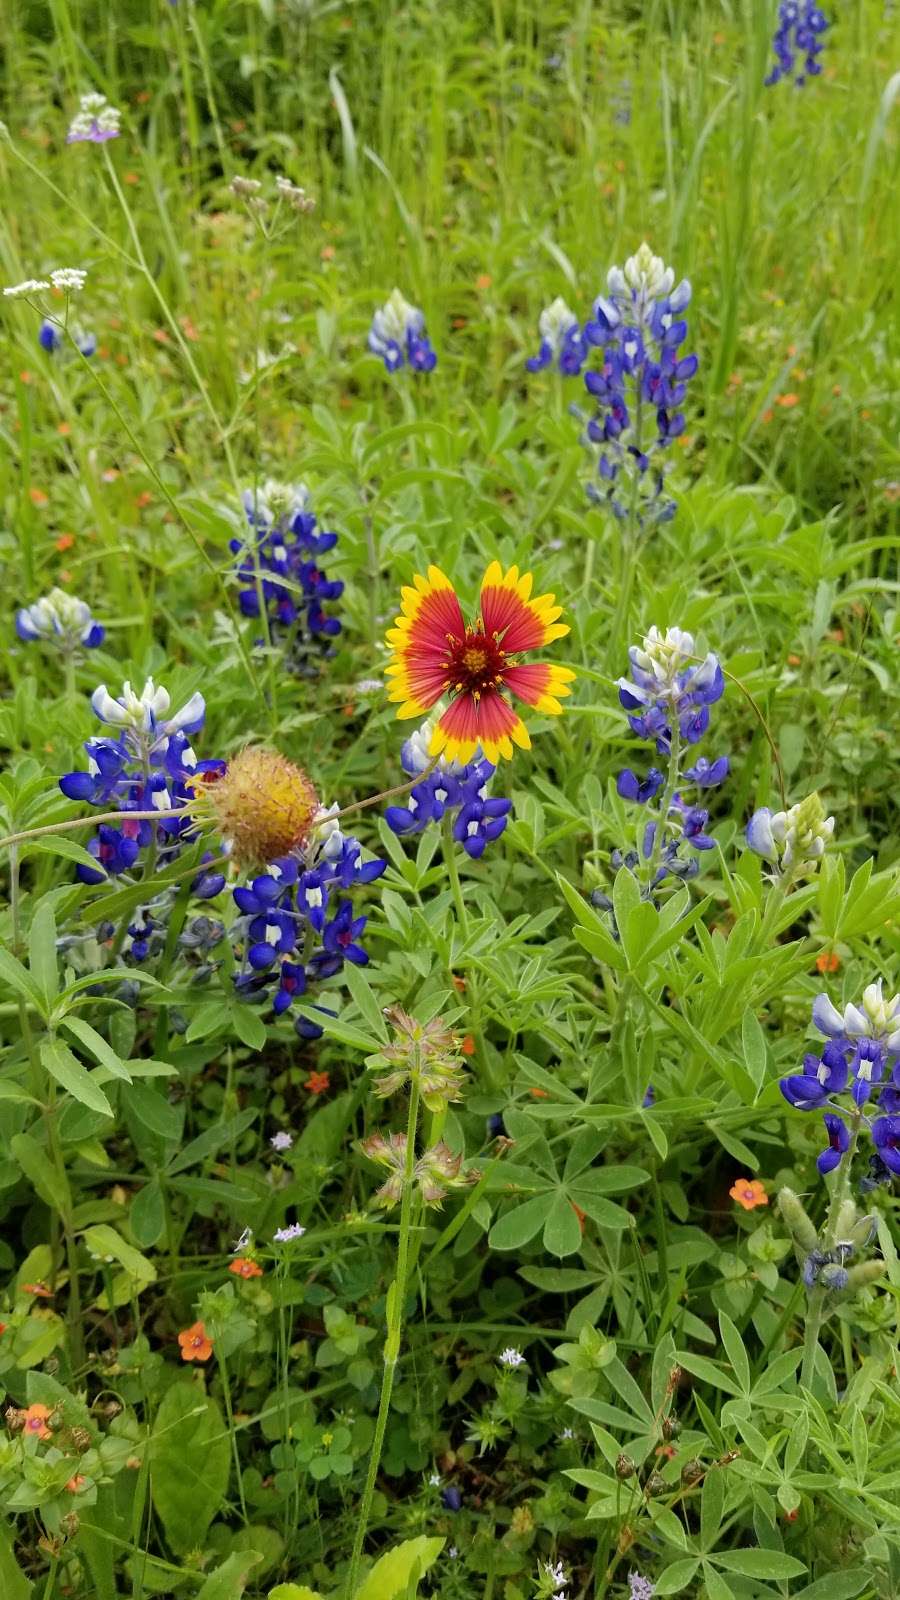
[(793, 843), (424, 1056)]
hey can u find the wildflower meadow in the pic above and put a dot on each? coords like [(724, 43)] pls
[(449, 887)]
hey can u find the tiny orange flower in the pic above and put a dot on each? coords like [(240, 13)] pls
[(195, 1346), (749, 1193), (318, 1082), (24, 377), (189, 329), (667, 1451), (828, 961), (34, 1421), (245, 1267), (787, 401), (538, 1094), (37, 1289), (2, 1329), (327, 252), (65, 428), (65, 541), (160, 336), (76, 1484), (145, 498), (767, 415), (468, 1045), (38, 497), (483, 281)]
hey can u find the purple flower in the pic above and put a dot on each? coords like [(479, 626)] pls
[(295, 590), (398, 336), (798, 31), (631, 787), (708, 774), (480, 818), (561, 341), (838, 1143), (95, 122), (886, 1139)]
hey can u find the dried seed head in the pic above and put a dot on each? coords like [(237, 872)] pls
[(671, 1427), (692, 1471), (625, 1467), (655, 1485), (81, 1440), (262, 804)]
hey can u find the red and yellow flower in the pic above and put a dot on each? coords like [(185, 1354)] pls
[(434, 653)]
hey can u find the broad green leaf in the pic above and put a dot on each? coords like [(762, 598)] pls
[(248, 1025), (757, 1563), (562, 1231), (229, 1581), (42, 951), (97, 1045), (13, 1583), (212, 1139), (734, 1349), (189, 1465), (294, 1591), (674, 1577), (147, 1216), (701, 1367), (396, 1573), (154, 1111), (836, 1586), (69, 1072), (102, 1240), (753, 1040), (712, 1500), (366, 1003), (522, 1223), (21, 981), (40, 1171)]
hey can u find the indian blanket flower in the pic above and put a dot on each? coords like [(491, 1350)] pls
[(562, 341), (295, 590), (195, 1343), (62, 619), (861, 1055), (435, 653), (95, 121), (638, 328), (398, 336), (446, 789), (793, 841), (51, 338), (798, 32)]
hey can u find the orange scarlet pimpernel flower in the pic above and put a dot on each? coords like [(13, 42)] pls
[(195, 1344), (34, 1421), (245, 1267), (435, 653), (749, 1193)]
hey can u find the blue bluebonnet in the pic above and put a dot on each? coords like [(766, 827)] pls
[(296, 926), (479, 819), (398, 336), (562, 341), (61, 618), (451, 1498), (798, 31), (862, 1053), (668, 697), (638, 327), (289, 544), (149, 765), (95, 121), (51, 338)]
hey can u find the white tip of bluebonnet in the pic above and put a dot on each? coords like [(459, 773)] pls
[(555, 321), (826, 1017), (680, 296), (192, 712), (759, 835), (106, 708)]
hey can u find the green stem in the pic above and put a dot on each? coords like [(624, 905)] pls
[(448, 844), (395, 1303), (229, 1412), (665, 803)]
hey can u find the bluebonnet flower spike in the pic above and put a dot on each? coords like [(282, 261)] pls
[(562, 341), (398, 336), (61, 618), (799, 31)]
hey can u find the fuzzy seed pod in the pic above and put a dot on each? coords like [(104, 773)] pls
[(794, 1214), (262, 804)]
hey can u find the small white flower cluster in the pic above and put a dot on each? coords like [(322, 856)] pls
[(22, 291), (511, 1358), (95, 121), (294, 195), (69, 279), (294, 1230), (281, 1140), (245, 187)]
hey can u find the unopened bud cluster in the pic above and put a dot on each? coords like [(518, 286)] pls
[(827, 1263), (434, 1173), (425, 1052), (791, 841)]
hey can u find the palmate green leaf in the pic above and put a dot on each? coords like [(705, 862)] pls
[(521, 1224), (69, 1072), (677, 1575), (190, 1459)]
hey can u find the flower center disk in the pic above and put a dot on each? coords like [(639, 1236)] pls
[(475, 663)]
